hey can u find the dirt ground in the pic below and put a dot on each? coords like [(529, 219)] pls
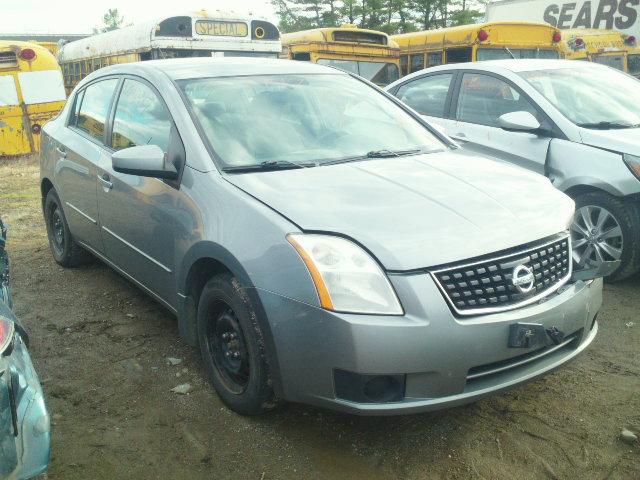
[(100, 346)]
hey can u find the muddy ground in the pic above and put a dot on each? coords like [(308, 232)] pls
[(100, 346)]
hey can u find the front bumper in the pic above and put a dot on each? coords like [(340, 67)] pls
[(444, 360), (24, 420)]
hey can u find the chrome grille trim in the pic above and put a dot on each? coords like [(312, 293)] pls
[(515, 253)]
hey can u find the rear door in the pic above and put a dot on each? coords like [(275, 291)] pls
[(478, 102), (79, 150), (139, 215), (15, 137), (430, 96)]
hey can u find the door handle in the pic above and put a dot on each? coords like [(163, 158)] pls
[(62, 152), (459, 135), (106, 181)]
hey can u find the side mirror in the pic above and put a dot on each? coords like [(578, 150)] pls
[(519, 122), (144, 161)]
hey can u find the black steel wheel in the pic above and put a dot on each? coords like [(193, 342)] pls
[(64, 249), (228, 349), (232, 347)]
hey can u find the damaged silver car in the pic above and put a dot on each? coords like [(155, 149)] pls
[(24, 420)]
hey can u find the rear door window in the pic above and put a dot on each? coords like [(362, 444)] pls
[(141, 118), (427, 95), (8, 91), (42, 87), (92, 115)]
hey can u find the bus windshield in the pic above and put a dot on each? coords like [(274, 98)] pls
[(380, 73), (301, 119), (519, 53)]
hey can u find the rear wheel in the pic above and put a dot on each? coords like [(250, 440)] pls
[(605, 229), (64, 249), (232, 347)]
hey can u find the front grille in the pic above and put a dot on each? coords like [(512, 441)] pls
[(487, 286)]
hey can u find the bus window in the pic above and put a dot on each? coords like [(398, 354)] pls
[(615, 61), (417, 62), (8, 92), (378, 72), (508, 53), (434, 59), (459, 55), (634, 64), (42, 87), (404, 64), (302, 56)]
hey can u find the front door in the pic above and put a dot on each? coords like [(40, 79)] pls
[(481, 100), (137, 213)]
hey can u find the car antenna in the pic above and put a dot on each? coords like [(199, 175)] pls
[(506, 49)]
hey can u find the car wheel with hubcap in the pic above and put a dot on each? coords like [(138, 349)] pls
[(605, 229), (63, 247), (232, 347)]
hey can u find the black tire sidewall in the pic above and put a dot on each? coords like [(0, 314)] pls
[(258, 396), (52, 200), (629, 221)]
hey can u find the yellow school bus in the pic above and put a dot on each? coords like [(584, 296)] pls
[(31, 93), (608, 47), (471, 43), (368, 53)]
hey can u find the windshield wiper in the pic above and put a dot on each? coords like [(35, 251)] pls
[(268, 166), (375, 154), (608, 125), (391, 153)]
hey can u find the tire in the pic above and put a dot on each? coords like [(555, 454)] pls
[(625, 247), (64, 249), (236, 366)]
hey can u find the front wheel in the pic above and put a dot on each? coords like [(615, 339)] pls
[(605, 229), (232, 347)]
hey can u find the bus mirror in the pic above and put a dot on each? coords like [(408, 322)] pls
[(144, 161), (519, 122)]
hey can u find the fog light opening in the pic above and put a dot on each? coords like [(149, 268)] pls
[(381, 389)]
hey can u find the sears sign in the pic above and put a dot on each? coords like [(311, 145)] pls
[(611, 14)]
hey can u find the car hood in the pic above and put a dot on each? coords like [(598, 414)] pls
[(623, 140), (420, 211)]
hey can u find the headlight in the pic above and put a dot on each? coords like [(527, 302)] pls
[(346, 277), (7, 329), (633, 163)]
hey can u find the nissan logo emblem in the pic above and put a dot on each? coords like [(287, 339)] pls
[(523, 278)]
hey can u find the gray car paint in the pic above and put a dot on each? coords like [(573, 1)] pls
[(407, 219), (581, 155)]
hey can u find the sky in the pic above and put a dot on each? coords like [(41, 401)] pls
[(80, 16)]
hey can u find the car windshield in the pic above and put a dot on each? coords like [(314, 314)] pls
[(583, 96), (301, 119)]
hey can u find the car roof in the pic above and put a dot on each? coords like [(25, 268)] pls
[(501, 67), (206, 67), (519, 65)]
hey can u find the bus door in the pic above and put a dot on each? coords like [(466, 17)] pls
[(15, 134)]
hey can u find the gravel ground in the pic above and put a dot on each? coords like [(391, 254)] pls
[(101, 348)]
